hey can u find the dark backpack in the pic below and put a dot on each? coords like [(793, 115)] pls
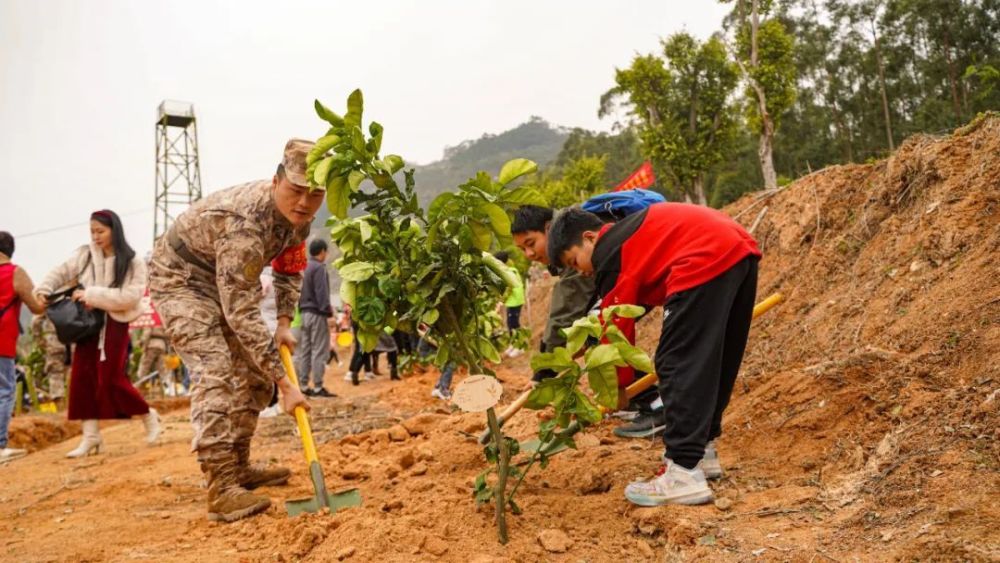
[(614, 206)]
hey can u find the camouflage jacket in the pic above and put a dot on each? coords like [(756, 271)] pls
[(236, 232)]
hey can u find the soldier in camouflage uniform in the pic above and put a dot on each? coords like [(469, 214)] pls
[(205, 280), (55, 355), (154, 352)]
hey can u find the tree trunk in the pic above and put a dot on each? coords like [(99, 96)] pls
[(698, 187), (765, 150), (952, 78), (766, 153), (881, 82)]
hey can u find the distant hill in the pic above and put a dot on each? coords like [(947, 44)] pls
[(535, 139)]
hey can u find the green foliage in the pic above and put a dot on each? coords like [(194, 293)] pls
[(599, 363), (681, 106), (576, 181), (402, 265), (774, 72)]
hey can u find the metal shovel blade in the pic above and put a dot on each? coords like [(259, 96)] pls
[(334, 501), (322, 499)]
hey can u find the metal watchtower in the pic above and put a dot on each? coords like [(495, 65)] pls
[(178, 173)]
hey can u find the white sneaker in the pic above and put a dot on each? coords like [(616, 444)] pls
[(672, 485), (347, 376), (10, 454), (369, 376), (439, 394), (152, 423), (710, 463)]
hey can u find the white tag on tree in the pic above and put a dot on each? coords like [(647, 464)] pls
[(477, 393)]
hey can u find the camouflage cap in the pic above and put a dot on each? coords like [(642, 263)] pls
[(294, 160)]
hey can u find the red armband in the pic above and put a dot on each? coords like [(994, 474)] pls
[(292, 260)]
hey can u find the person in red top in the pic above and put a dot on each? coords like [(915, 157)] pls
[(701, 266), (15, 288)]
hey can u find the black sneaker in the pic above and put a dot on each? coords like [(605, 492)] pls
[(643, 426), (308, 392), (322, 392)]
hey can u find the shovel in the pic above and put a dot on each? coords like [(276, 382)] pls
[(322, 498)]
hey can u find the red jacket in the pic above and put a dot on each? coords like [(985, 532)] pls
[(665, 249), (10, 304)]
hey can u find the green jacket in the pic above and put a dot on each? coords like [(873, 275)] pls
[(515, 296)]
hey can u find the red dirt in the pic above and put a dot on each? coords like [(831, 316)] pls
[(864, 425)]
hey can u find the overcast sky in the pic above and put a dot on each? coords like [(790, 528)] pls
[(80, 82)]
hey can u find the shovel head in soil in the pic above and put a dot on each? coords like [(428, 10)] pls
[(321, 499)]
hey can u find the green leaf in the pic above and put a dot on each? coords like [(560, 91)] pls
[(585, 409), (390, 287), (347, 292), (636, 358), (358, 141), (368, 338), (624, 311), (394, 162), (498, 218), (322, 171), (430, 316), (370, 311), (557, 360), (482, 235), (439, 204), (603, 381), (602, 355), (488, 351), (357, 271), (514, 169), (375, 130), (546, 393), (328, 116), (354, 179), (524, 195), (366, 231), (323, 145), (355, 108), (338, 199)]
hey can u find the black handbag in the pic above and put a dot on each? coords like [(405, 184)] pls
[(72, 320)]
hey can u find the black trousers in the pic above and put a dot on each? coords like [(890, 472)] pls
[(705, 331)]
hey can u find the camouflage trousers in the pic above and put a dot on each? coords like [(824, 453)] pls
[(55, 369), (153, 360), (227, 392)]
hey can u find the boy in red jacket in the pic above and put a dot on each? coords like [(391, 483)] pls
[(701, 266)]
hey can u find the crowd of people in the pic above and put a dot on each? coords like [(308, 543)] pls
[(233, 280)]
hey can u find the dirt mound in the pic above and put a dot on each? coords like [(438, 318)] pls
[(34, 432), (864, 425)]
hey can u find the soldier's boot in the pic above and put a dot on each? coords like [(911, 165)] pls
[(252, 476), (227, 500)]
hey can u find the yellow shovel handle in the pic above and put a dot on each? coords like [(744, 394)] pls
[(301, 418)]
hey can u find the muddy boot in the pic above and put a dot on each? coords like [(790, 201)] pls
[(253, 476), (227, 500)]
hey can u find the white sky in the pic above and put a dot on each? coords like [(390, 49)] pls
[(80, 82)]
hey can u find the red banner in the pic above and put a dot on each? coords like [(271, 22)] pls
[(643, 177), (149, 317)]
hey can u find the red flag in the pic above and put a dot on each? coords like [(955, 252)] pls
[(643, 177), (149, 317)]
